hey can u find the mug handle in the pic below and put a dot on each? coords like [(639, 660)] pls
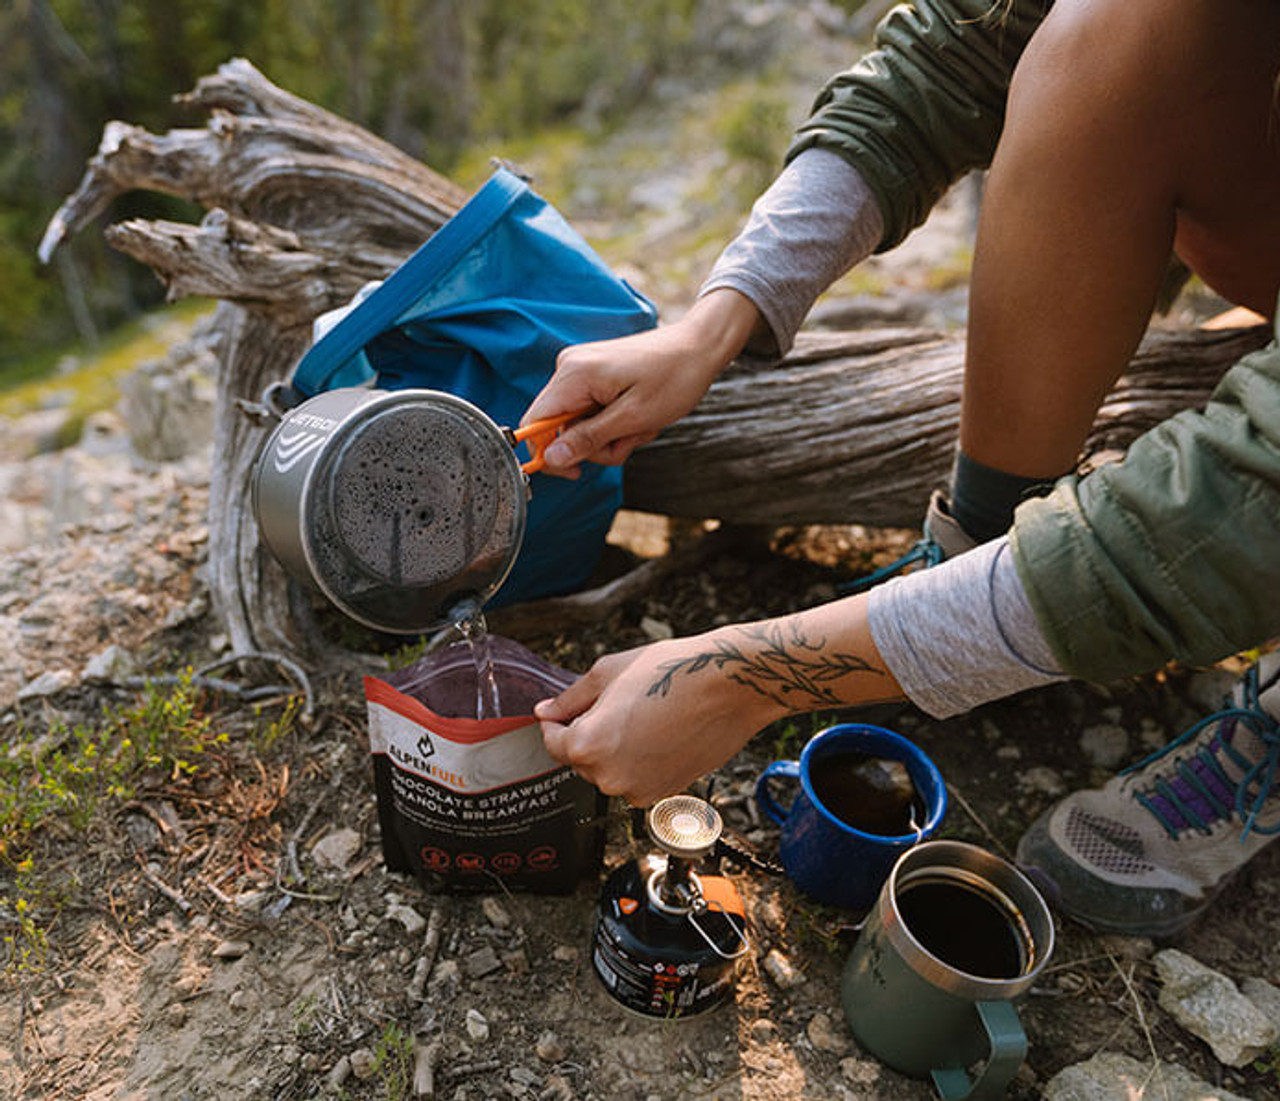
[(790, 770), (1008, 1048)]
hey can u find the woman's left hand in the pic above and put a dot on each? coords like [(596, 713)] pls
[(647, 722)]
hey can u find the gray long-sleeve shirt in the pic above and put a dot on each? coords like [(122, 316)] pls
[(954, 636)]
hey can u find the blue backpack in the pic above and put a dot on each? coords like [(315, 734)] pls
[(481, 311)]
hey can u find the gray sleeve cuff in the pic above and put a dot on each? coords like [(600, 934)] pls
[(962, 633), (814, 223)]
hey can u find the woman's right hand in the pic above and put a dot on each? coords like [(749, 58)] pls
[(628, 389)]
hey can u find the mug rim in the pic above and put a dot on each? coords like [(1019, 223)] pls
[(937, 971), (931, 823)]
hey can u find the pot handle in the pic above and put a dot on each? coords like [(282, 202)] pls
[(539, 434)]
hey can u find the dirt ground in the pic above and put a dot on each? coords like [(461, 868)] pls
[(180, 965)]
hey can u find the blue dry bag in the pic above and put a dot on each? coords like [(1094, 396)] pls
[(481, 311)]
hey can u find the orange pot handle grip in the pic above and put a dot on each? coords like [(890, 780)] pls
[(539, 435)]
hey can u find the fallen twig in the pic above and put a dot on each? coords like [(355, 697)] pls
[(221, 896), (427, 958), (174, 896), (1142, 1018), (468, 1070), (426, 1059)]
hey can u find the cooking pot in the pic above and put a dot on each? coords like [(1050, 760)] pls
[(398, 505)]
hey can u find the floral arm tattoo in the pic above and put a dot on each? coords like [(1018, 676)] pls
[(790, 669)]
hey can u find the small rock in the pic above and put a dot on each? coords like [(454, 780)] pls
[(781, 971), (407, 916), (1042, 779), (1151, 734), (516, 962), (177, 1014), (523, 1076), (1105, 745), (1265, 996), (477, 1026), (1009, 753), (1208, 1004), (336, 850), (769, 913), (363, 1063), (557, 1089), (252, 900), (338, 1073), (109, 665), (445, 978), (762, 1030), (310, 1062), (564, 953), (824, 1036), (656, 629), (230, 949), (47, 684), (860, 1072), (484, 961), (495, 913), (549, 1048), (143, 832), (240, 1000), (1111, 1077)]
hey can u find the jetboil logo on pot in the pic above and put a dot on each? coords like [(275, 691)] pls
[(292, 447)]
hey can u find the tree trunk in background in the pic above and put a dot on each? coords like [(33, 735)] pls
[(305, 207)]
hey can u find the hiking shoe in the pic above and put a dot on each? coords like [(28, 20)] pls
[(1145, 854), (943, 538)]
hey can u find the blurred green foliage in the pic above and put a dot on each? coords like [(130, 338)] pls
[(432, 76)]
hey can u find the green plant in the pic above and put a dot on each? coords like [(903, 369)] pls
[(60, 780), (304, 1014), (1269, 1064), (26, 944), (393, 1062), (790, 735), (279, 727)]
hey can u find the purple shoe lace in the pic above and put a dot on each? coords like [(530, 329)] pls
[(1199, 792)]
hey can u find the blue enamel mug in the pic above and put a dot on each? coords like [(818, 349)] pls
[(830, 860)]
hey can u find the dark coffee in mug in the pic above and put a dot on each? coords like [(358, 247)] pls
[(965, 927), (871, 794)]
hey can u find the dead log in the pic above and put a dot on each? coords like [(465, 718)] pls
[(859, 427), (305, 207)]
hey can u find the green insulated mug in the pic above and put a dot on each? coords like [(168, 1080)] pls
[(956, 935)]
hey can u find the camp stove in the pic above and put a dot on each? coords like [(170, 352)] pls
[(667, 940)]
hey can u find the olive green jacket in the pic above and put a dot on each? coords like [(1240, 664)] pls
[(1173, 553)]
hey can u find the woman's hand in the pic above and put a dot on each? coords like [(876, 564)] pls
[(647, 722), (631, 388)]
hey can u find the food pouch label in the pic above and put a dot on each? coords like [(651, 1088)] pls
[(468, 804)]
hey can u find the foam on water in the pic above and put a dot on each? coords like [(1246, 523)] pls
[(417, 507)]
